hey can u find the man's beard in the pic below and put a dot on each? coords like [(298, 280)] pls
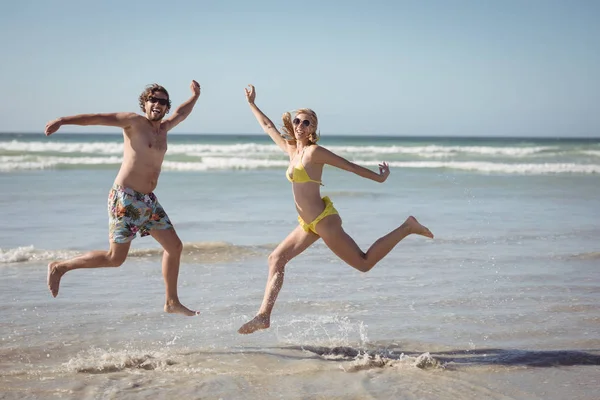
[(160, 116)]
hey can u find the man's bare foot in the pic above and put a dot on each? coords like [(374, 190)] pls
[(417, 228), (54, 274), (259, 322), (175, 307)]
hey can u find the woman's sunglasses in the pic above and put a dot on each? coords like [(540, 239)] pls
[(297, 121), (162, 102)]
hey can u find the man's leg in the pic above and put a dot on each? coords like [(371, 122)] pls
[(114, 257), (172, 246)]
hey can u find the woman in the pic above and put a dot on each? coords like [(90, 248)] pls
[(317, 216)]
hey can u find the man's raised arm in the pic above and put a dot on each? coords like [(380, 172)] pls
[(184, 109)]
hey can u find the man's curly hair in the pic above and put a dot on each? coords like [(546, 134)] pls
[(149, 92)]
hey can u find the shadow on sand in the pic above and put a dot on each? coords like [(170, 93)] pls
[(506, 357)]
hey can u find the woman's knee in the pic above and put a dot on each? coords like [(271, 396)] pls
[(364, 266), (361, 264), (277, 261)]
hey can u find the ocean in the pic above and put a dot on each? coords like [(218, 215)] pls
[(502, 304)]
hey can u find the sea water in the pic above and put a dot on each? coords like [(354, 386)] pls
[(503, 303)]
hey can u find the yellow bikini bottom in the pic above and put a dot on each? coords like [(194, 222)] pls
[(329, 210)]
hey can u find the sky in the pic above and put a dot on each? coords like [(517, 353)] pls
[(409, 68)]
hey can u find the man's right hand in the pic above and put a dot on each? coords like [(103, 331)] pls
[(52, 126), (195, 86)]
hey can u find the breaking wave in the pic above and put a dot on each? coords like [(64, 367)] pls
[(192, 252)]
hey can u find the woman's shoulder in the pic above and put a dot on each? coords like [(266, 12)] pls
[(317, 153), (318, 149)]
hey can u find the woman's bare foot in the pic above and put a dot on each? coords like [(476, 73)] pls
[(175, 307), (417, 228), (54, 274), (259, 322)]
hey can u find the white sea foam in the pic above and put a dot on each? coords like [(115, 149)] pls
[(365, 361), (502, 168), (217, 163), (330, 330), (197, 251), (98, 360), (221, 163), (595, 153), (206, 149), (116, 148), (444, 151), (15, 163), (58, 147), (205, 157), (29, 162), (29, 253)]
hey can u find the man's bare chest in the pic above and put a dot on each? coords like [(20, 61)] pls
[(158, 142), (150, 143)]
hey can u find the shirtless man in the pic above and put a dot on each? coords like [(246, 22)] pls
[(132, 206)]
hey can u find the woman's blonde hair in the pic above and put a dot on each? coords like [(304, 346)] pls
[(288, 127)]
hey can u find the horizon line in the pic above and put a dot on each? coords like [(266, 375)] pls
[(507, 136)]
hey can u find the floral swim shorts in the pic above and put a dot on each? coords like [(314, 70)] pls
[(130, 212)]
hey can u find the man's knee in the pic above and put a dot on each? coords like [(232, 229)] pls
[(174, 246), (116, 259)]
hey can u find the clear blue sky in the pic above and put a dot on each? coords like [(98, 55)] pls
[(448, 67)]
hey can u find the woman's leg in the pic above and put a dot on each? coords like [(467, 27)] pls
[(296, 242), (331, 231)]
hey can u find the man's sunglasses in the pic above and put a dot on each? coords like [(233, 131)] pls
[(162, 102), (297, 121)]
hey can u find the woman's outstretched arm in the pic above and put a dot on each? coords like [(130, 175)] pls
[(323, 156), (264, 121)]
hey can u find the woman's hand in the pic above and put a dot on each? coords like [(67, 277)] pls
[(384, 171), (250, 94)]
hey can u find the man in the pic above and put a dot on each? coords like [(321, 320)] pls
[(132, 206)]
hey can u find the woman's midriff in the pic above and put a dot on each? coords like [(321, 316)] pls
[(309, 203)]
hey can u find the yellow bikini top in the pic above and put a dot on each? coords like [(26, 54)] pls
[(299, 174)]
